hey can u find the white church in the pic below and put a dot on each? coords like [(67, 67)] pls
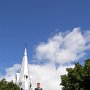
[(23, 79)]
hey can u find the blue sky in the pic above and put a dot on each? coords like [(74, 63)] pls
[(57, 32), (34, 21)]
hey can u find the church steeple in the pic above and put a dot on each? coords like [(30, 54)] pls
[(24, 67), (24, 79)]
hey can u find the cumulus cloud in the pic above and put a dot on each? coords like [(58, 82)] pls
[(11, 72), (65, 47), (61, 49)]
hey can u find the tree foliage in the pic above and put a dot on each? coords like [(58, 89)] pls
[(77, 78), (4, 85)]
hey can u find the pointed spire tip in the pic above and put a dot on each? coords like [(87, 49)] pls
[(25, 52)]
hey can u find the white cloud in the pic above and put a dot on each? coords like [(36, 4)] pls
[(11, 72), (64, 48), (47, 75)]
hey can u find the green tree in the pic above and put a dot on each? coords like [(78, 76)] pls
[(4, 85), (77, 78)]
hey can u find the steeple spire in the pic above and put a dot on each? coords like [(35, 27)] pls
[(24, 74), (24, 67), (25, 52)]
